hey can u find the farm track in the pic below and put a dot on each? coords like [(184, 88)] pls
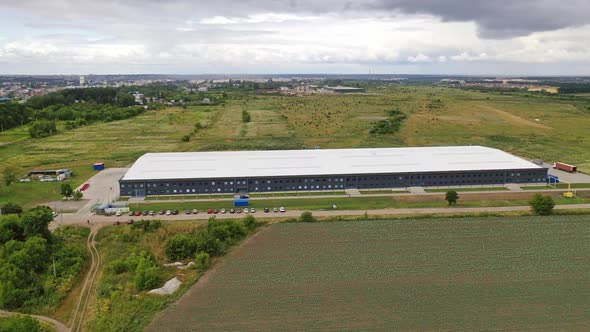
[(79, 313)]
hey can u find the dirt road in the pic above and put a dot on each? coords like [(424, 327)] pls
[(95, 265), (59, 327)]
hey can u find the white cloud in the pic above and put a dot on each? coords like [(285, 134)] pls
[(420, 58), (280, 41)]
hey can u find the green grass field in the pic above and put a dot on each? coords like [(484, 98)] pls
[(443, 190), (526, 125), (342, 203), (527, 273)]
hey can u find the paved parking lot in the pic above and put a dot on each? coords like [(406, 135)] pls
[(104, 187), (569, 177)]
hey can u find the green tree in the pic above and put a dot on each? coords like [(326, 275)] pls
[(9, 176), (11, 229), (147, 274), (36, 221), (185, 138), (42, 128), (542, 204), (20, 323), (66, 190), (306, 217), (452, 197), (78, 195), (202, 261), (180, 246)]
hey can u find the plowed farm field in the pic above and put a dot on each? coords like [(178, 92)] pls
[(526, 273)]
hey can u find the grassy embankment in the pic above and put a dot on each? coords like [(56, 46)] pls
[(346, 203)]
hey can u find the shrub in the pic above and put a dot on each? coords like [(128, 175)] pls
[(185, 138), (9, 176), (202, 261), (148, 226), (307, 217), (542, 204), (181, 246), (11, 208), (78, 195), (452, 197), (147, 274), (20, 323), (249, 222), (245, 117), (119, 266)]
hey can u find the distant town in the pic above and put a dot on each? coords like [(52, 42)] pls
[(21, 88)]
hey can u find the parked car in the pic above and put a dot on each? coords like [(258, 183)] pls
[(275, 210), (244, 197), (137, 213), (282, 209), (232, 211), (195, 211), (161, 212), (131, 213), (118, 213), (238, 210), (152, 213), (188, 211), (174, 212), (130, 221), (246, 210), (266, 210), (215, 211), (209, 211), (252, 210), (168, 212), (145, 213), (222, 211)]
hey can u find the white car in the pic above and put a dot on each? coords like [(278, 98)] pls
[(282, 209), (168, 212), (222, 211), (252, 210), (246, 210), (118, 213)]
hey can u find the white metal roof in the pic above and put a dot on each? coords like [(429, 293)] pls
[(239, 164)]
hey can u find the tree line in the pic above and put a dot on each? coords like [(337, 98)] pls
[(77, 107), (36, 266)]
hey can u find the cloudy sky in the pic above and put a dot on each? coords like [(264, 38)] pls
[(503, 37)]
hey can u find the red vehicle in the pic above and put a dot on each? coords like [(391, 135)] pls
[(137, 213), (85, 186), (209, 211), (565, 167)]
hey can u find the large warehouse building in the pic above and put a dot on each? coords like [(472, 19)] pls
[(304, 170)]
